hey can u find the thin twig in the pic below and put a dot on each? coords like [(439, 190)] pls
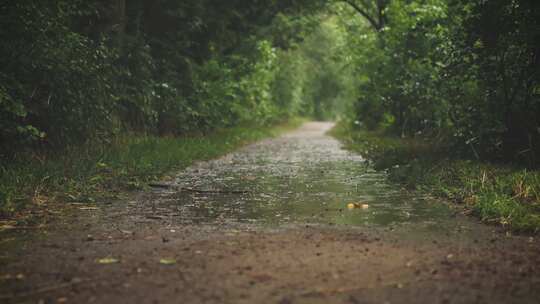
[(164, 186)]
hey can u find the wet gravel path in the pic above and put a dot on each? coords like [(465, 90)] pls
[(270, 224), (303, 177)]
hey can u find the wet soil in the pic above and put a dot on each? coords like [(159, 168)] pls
[(270, 224)]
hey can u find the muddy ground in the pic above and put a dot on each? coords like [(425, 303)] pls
[(270, 224)]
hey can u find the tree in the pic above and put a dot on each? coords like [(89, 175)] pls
[(372, 10)]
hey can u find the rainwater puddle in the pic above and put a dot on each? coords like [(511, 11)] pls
[(303, 177)]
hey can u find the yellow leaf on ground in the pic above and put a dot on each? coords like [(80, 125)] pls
[(357, 205), (167, 261), (108, 261)]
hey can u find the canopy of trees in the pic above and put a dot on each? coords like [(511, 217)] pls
[(464, 72)]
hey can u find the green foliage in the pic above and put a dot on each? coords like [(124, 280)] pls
[(54, 83), (465, 71), (75, 71), (315, 78), (499, 41), (255, 87), (400, 69)]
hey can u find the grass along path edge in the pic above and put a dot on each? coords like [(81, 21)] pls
[(93, 173), (496, 193)]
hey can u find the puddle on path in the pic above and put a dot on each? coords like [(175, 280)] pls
[(303, 177)]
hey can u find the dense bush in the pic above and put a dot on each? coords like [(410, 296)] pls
[(78, 70), (55, 81), (466, 71)]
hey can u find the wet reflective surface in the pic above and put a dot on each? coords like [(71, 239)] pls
[(302, 177)]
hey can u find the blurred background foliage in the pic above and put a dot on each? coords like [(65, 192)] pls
[(465, 73)]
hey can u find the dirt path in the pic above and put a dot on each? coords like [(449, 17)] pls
[(270, 224)]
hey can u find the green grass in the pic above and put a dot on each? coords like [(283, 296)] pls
[(96, 172), (496, 193)]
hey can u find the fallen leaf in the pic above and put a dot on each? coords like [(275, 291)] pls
[(357, 205), (108, 261), (167, 261)]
